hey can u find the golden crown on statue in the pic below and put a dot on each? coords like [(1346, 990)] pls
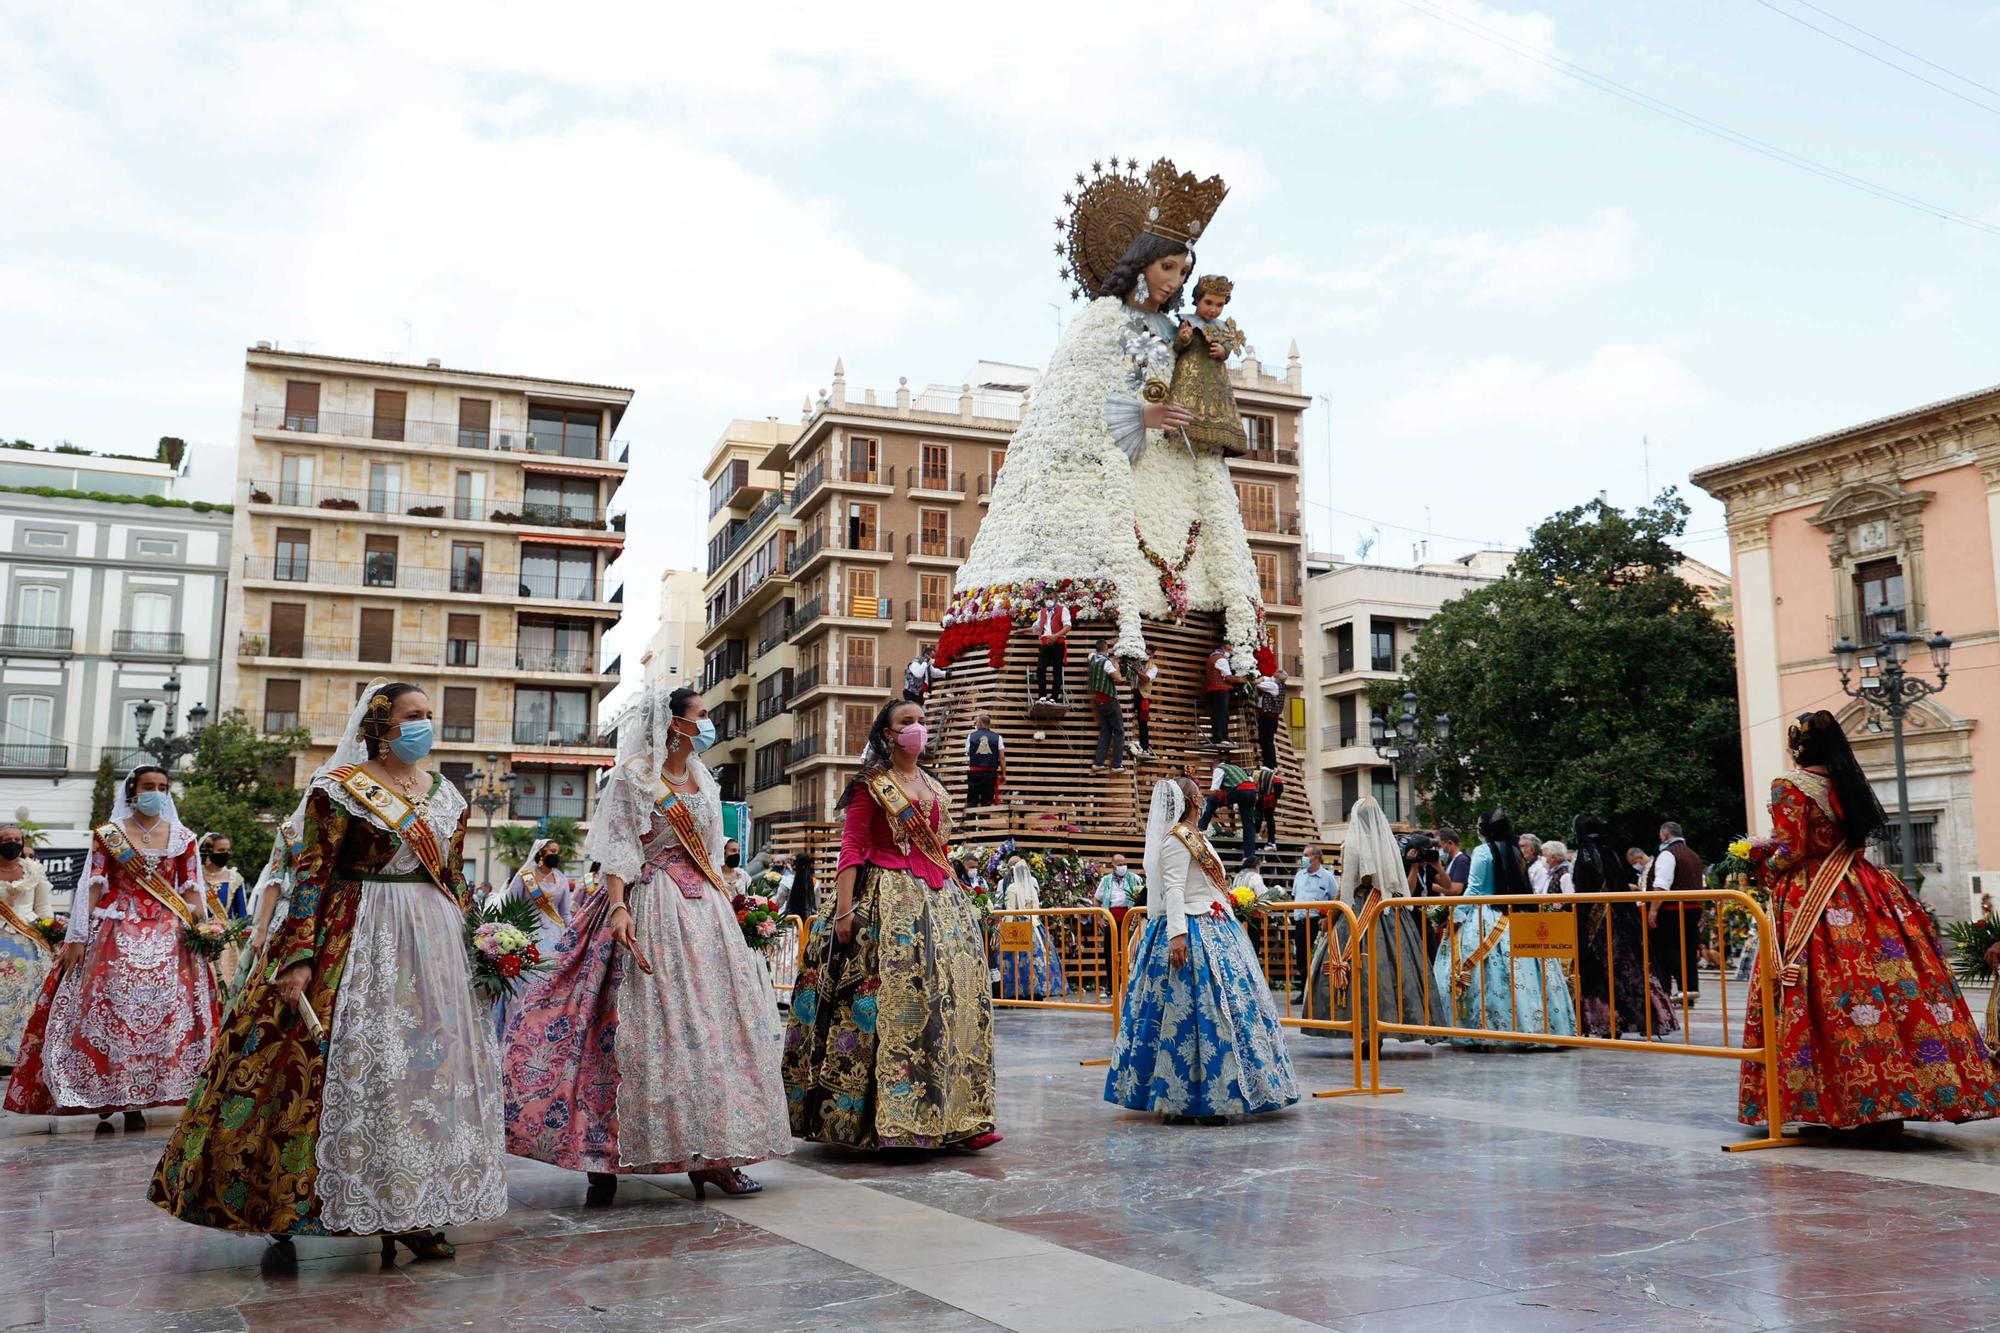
[(1111, 207)]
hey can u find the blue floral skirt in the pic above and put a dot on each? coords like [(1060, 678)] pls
[(1025, 976), (1203, 1039)]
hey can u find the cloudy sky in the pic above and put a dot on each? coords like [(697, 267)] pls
[(1500, 277)]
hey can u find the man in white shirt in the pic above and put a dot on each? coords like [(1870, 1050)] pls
[(1114, 890), (1052, 634), (920, 675), (1314, 883)]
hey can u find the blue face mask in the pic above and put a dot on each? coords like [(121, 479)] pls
[(151, 804), (704, 735), (413, 742)]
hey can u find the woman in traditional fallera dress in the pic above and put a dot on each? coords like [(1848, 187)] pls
[(1038, 973), (126, 1021), (540, 881), (890, 1039), (1483, 983), (222, 885), (25, 956), (1371, 866), (1872, 1027), (652, 1047), (355, 1089), (1199, 1037), (1611, 975)]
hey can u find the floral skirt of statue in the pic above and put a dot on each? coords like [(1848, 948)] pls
[(131, 1026), (1498, 992), (889, 1043), (1878, 1029), (388, 1123), (1405, 990), (1203, 1039), (610, 1069), (24, 966)]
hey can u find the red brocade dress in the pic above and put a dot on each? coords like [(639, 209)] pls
[(1877, 1029), (131, 1026)]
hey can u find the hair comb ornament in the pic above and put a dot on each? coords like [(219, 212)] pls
[(1112, 206)]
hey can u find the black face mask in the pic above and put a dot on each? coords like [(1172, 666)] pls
[(733, 860), (10, 849), (551, 861), (217, 859)]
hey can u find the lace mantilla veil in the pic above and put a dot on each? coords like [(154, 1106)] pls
[(122, 808), (1370, 849), (350, 749), (1168, 805)]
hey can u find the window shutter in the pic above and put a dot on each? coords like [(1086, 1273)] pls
[(391, 406), (378, 635), (288, 629)]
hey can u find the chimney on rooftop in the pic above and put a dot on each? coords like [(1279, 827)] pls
[(432, 363), (263, 345)]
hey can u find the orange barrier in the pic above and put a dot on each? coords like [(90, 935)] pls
[(787, 957), (1058, 958), (1549, 932), (1282, 949)]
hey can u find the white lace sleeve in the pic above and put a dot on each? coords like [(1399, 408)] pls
[(711, 833), (94, 882), (623, 816)]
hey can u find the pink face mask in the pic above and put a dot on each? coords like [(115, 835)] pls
[(913, 737)]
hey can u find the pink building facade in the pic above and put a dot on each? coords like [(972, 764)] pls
[(1903, 510)]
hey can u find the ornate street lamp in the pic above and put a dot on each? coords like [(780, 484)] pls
[(169, 748), (490, 792), (1402, 749), (1890, 688)]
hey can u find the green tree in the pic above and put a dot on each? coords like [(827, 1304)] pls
[(1590, 678), (103, 791), (239, 782)]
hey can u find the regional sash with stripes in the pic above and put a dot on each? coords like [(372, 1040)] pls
[(906, 819), (402, 818), (125, 854), (1819, 892), (676, 812), (540, 897), (12, 920)]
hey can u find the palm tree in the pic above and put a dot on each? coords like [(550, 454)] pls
[(513, 842)]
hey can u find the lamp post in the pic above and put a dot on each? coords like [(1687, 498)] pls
[(168, 748), (1404, 752), (489, 793), (1895, 691)]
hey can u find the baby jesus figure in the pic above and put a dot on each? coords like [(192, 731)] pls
[(1202, 349)]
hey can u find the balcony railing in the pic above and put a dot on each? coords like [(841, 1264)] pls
[(446, 434), (811, 480), (802, 681), (37, 638), (804, 552), (848, 675), (915, 613), (285, 719), (804, 616), (580, 661), (393, 500), (547, 807), (1269, 454), (805, 747), (1862, 630), (146, 642), (951, 548), (924, 479), (33, 758), (530, 731)]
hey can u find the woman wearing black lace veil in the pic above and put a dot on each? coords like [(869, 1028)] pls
[(1611, 971)]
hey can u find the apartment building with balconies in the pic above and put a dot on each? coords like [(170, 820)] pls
[(449, 527), (747, 600), (113, 585)]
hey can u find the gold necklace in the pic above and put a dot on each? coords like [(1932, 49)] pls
[(409, 787)]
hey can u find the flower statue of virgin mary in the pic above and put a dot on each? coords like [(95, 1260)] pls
[(1104, 505)]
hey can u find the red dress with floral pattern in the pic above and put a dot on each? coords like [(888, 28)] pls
[(1877, 1029)]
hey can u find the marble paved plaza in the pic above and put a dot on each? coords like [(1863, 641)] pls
[(1501, 1191)]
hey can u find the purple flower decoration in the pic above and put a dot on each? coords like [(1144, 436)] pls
[(847, 1041), (1894, 949), (1804, 1059), (1932, 1052)]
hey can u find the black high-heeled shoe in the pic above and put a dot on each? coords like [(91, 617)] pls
[(135, 1120), (420, 1244), (603, 1188), (279, 1257), (730, 1181), (103, 1122)]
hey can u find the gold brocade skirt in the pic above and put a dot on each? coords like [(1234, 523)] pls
[(890, 1039), (1201, 385)]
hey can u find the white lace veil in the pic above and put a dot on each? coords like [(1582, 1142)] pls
[(350, 749), (1370, 850), (1168, 805), (625, 805), (121, 804)]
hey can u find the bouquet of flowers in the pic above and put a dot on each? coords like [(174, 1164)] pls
[(768, 883), (1969, 942), (51, 929), (211, 936), (759, 918), (500, 942), (1244, 903)]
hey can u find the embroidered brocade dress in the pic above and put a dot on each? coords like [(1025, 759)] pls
[(1878, 1028), (1204, 1038), (559, 893), (25, 958), (1611, 959), (609, 1069), (1201, 384), (132, 1026), (388, 1123), (889, 1043), (1498, 993)]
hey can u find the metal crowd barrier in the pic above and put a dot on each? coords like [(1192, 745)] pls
[(1546, 929), (787, 957), (1064, 958)]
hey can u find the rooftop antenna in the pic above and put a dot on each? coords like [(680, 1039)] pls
[(1326, 401), (1646, 462)]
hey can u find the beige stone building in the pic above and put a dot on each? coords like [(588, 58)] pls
[(673, 655), (449, 527), (853, 526)]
